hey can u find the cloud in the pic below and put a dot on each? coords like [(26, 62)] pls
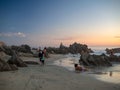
[(117, 36), (20, 34), (10, 34)]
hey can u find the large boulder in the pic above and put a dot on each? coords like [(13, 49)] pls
[(114, 58), (22, 48), (9, 59), (113, 50), (77, 48), (94, 60), (83, 58), (4, 56), (13, 66), (15, 59), (4, 66), (6, 49)]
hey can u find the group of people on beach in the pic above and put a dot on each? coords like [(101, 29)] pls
[(41, 55)]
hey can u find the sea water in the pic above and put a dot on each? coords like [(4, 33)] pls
[(69, 61), (107, 74)]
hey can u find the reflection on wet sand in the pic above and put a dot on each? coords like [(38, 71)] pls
[(111, 76), (111, 73)]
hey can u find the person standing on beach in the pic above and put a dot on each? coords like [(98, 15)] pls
[(45, 52), (43, 58), (40, 55)]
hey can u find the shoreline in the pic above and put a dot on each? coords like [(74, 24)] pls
[(102, 73), (50, 77)]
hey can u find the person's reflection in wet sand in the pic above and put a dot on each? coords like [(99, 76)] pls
[(111, 73)]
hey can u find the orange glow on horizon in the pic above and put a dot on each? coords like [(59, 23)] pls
[(95, 41)]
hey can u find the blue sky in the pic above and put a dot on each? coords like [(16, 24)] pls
[(50, 22)]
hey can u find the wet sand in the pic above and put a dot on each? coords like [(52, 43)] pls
[(50, 77)]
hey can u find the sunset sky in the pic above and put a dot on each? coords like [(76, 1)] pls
[(50, 22)]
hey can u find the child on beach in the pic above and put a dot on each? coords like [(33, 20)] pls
[(41, 56)]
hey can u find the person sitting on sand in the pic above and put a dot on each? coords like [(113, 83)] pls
[(79, 68)]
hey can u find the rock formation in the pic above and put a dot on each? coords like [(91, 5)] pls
[(113, 50), (4, 66), (23, 50), (73, 48), (94, 60), (9, 60), (16, 60)]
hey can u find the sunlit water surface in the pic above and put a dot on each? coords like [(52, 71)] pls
[(107, 74)]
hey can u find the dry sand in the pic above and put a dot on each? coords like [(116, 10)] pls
[(50, 77)]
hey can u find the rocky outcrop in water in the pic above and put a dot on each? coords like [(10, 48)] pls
[(94, 60), (113, 50), (114, 58), (78, 48)]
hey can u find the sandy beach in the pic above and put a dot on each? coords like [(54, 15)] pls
[(50, 77)]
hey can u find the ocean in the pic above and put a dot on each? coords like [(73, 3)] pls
[(106, 74)]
